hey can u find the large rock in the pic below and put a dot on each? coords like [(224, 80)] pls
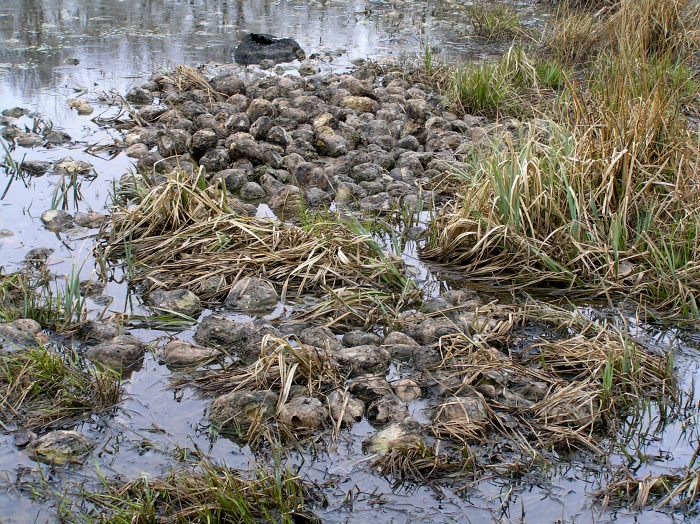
[(256, 47), (303, 412), (178, 353), (320, 337), (240, 409), (252, 294), (123, 352), (181, 301), (61, 447)]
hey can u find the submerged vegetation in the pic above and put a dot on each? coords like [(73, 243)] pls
[(42, 388), (204, 493)]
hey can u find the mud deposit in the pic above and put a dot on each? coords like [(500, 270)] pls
[(238, 252)]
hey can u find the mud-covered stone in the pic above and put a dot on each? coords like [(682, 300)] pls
[(369, 387), (468, 409), (430, 330), (252, 294), (178, 353), (387, 409), (407, 389), (228, 85), (363, 359), (150, 113), (287, 201), (35, 167), (425, 357), (56, 219), (242, 338), (303, 412), (123, 352), (345, 406), (405, 434), (181, 301), (91, 287), (320, 337), (57, 138), (100, 330), (361, 338), (316, 197), (38, 255), (361, 104), (138, 95), (29, 140), (240, 409), (61, 447)]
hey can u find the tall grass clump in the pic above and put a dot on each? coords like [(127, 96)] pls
[(602, 194), (41, 388), (492, 20)]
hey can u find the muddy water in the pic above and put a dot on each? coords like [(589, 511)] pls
[(55, 50)]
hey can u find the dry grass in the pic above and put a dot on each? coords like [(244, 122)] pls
[(40, 389), (563, 392), (185, 235), (281, 364), (679, 491)]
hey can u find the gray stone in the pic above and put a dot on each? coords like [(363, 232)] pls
[(93, 219), (21, 332), (256, 47), (174, 142), (259, 107), (150, 113), (252, 191), (303, 412), (91, 287), (361, 338), (287, 201), (56, 219), (244, 339), (15, 112), (379, 203), (252, 294), (215, 160), (181, 301), (61, 447), (100, 330), (202, 141), (29, 140), (38, 255), (123, 352), (35, 167), (136, 151), (229, 85), (369, 387), (239, 409), (316, 197), (320, 337), (57, 138), (332, 145), (138, 95), (178, 353), (388, 409)]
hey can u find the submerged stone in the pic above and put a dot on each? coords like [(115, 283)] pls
[(244, 339), (61, 447)]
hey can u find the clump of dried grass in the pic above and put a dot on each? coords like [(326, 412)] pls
[(186, 235), (586, 384), (679, 491), (40, 388), (281, 364)]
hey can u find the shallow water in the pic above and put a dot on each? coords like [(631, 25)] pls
[(55, 50)]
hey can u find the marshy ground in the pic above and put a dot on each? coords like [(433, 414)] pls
[(449, 276)]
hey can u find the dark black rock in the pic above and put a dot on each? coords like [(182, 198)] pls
[(256, 47)]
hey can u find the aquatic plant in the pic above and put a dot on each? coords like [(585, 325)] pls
[(43, 388)]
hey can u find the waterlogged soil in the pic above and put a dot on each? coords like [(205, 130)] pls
[(54, 51)]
